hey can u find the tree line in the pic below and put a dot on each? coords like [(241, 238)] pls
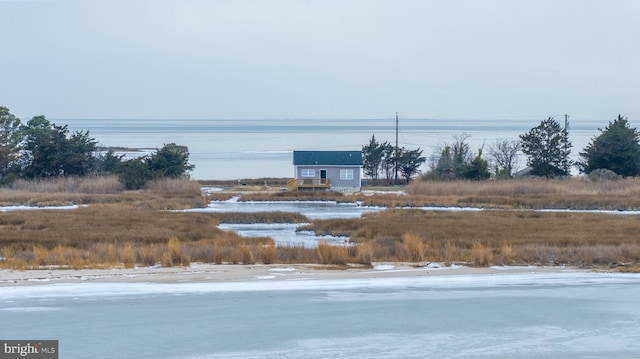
[(41, 149), (384, 158), (614, 152)]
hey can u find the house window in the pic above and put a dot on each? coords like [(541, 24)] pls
[(308, 173), (346, 174)]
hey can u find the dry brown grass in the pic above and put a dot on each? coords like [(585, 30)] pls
[(173, 186), (328, 254), (126, 229), (481, 255), (414, 247), (575, 193), (261, 217), (296, 254), (493, 237), (161, 194), (107, 235), (90, 184)]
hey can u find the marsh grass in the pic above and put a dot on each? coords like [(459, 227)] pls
[(328, 254), (481, 256), (414, 247), (127, 228), (161, 194), (261, 217), (575, 193), (296, 254), (492, 237), (106, 235), (89, 184), (173, 256), (267, 253)]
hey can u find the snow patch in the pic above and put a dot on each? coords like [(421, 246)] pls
[(263, 277), (511, 267), (32, 208), (384, 267)]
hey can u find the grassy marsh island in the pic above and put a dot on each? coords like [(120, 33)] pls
[(113, 227)]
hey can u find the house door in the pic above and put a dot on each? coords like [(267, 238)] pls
[(323, 176)]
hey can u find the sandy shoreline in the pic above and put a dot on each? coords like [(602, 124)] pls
[(220, 273)]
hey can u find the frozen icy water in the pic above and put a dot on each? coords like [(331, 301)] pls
[(311, 209), (283, 233), (557, 315), (33, 208)]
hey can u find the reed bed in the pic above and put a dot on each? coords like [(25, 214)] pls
[(524, 187), (108, 235), (101, 224), (89, 184), (183, 186), (127, 229), (575, 193), (486, 238), (160, 194), (105, 236), (261, 217)]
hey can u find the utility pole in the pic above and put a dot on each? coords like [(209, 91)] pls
[(566, 139), (396, 161)]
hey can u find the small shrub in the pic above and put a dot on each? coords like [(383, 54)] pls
[(603, 174)]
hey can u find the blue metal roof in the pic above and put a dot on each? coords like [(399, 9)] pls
[(327, 158)]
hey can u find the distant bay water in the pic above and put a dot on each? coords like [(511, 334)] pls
[(237, 149)]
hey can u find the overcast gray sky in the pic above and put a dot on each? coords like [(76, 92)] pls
[(226, 59)]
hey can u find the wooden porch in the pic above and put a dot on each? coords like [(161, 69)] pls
[(312, 184)]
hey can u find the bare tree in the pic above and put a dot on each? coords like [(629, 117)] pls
[(504, 153), (456, 162)]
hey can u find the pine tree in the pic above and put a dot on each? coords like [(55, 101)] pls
[(616, 148), (372, 156), (547, 148)]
